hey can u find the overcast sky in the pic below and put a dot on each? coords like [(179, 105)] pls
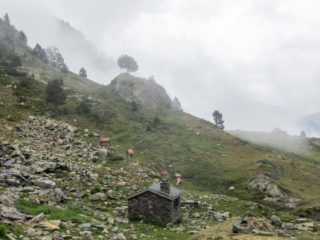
[(257, 61)]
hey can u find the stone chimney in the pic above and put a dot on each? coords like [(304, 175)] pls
[(165, 186)]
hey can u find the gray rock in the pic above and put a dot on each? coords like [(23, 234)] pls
[(11, 214), (256, 226), (98, 197), (59, 195), (9, 163), (275, 220), (267, 186), (85, 226), (221, 216), (102, 153), (121, 236), (45, 183)]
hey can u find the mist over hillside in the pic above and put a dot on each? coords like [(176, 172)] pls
[(275, 139), (80, 52), (226, 56), (311, 124), (83, 160)]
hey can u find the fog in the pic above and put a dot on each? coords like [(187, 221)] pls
[(257, 61)]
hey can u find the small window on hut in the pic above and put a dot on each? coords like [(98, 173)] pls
[(176, 202)]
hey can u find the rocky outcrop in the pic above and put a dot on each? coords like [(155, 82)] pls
[(267, 186), (145, 92), (252, 226)]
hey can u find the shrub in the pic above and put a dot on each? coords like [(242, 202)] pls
[(95, 190), (54, 92), (25, 87), (3, 230), (83, 108), (156, 121), (114, 157), (134, 107)]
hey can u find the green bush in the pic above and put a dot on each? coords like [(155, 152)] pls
[(3, 230), (114, 157), (27, 86), (134, 107), (95, 190), (83, 107), (55, 93), (156, 121)]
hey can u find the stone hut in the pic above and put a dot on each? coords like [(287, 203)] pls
[(159, 202)]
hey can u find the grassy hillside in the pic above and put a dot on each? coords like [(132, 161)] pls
[(207, 157)]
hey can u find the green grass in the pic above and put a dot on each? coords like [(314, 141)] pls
[(52, 213), (211, 161), (3, 230)]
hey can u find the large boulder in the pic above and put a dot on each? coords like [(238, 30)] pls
[(252, 225), (266, 185), (102, 153), (98, 197)]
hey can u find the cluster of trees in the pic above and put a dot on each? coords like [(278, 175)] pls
[(10, 39), (218, 119), (9, 32), (39, 52), (55, 58)]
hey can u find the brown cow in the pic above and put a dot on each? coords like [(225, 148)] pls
[(164, 174), (178, 181), (111, 148), (129, 153), (104, 142)]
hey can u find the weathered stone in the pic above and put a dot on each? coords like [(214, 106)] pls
[(51, 224), (121, 236), (251, 225), (85, 225), (39, 218), (110, 221), (275, 220), (155, 205), (102, 153), (221, 216), (98, 197), (11, 214), (45, 183), (266, 185)]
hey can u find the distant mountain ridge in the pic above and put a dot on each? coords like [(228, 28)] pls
[(276, 139), (311, 124)]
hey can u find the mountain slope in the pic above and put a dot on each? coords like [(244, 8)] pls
[(48, 153), (207, 157)]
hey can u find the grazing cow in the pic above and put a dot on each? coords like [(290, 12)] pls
[(164, 174), (129, 153), (177, 175), (178, 181), (104, 142), (111, 148)]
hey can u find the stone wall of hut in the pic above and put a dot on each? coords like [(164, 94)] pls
[(153, 207)]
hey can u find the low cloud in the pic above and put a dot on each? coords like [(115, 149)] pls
[(255, 61)]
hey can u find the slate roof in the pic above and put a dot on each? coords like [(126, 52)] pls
[(155, 188)]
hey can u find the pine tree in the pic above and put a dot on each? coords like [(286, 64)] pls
[(217, 116), (6, 19), (127, 62), (83, 72)]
